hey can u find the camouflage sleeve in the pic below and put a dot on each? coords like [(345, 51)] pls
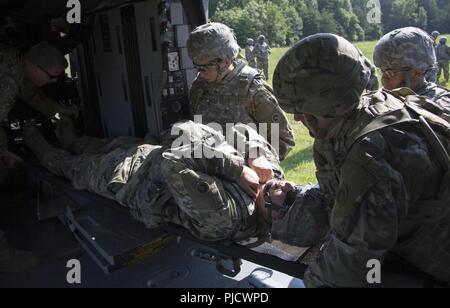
[(364, 222), (343, 260), (36, 99), (306, 222), (194, 96), (444, 103), (250, 144), (266, 109), (8, 89)]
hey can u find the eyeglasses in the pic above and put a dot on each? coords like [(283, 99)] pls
[(271, 187), (203, 67), (391, 71), (268, 201), (50, 76)]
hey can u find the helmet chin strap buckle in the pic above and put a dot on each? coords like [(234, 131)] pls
[(269, 207)]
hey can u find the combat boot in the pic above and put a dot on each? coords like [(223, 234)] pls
[(15, 260)]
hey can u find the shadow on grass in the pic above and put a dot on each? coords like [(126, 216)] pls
[(294, 160)]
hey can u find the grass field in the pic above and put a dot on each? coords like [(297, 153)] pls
[(299, 166)]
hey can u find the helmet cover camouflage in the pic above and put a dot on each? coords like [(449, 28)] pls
[(406, 48), (261, 38), (435, 34), (250, 41), (322, 75), (212, 41)]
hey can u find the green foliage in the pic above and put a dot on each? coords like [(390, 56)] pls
[(406, 12), (255, 17), (284, 22)]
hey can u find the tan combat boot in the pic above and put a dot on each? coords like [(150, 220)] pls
[(15, 260)]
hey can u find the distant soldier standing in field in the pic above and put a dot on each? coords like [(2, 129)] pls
[(443, 57), (250, 52), (262, 52), (432, 75), (435, 35)]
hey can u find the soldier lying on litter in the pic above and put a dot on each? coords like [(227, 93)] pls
[(196, 179)]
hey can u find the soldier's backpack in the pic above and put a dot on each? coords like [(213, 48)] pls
[(403, 106), (246, 78)]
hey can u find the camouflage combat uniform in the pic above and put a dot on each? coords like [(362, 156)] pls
[(412, 48), (12, 84), (443, 58), (432, 74), (381, 182), (242, 97), (438, 94), (168, 184), (262, 51), (250, 53)]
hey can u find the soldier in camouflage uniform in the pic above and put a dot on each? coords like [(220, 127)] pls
[(229, 91), (250, 53), (443, 57), (435, 34), (404, 57), (432, 74), (198, 181), (381, 174), (20, 75), (262, 52)]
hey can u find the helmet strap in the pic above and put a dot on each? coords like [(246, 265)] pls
[(406, 79), (220, 70)]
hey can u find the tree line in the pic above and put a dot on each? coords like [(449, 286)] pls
[(284, 22)]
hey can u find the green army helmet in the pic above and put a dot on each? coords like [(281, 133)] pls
[(46, 56), (443, 40), (435, 34), (404, 49), (322, 75), (212, 41)]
